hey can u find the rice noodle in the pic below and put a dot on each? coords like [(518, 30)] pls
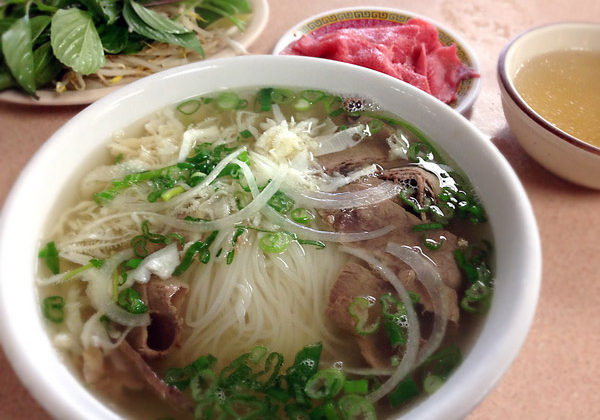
[(430, 277), (412, 342)]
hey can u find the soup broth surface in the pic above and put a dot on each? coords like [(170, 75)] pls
[(267, 253), (564, 88)]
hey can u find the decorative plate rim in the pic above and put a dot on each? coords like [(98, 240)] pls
[(48, 97), (471, 87)]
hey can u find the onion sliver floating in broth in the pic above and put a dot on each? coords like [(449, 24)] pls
[(221, 264)]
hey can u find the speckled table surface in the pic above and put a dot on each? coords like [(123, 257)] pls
[(557, 373)]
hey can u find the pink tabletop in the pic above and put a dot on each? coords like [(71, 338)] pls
[(557, 373)]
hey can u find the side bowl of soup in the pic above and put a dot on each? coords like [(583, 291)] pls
[(549, 87), (291, 183)]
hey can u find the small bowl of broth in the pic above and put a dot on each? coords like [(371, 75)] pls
[(550, 89)]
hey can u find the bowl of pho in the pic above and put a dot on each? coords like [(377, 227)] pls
[(266, 237)]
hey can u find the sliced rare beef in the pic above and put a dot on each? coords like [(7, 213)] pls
[(152, 381), (165, 300), (411, 52)]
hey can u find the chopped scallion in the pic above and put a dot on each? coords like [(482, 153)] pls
[(53, 308)]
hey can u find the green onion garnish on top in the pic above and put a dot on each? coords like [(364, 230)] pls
[(53, 308), (131, 301), (50, 255)]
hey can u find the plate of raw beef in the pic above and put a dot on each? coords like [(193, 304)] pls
[(402, 44)]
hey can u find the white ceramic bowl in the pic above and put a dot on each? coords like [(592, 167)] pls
[(559, 152), (518, 260), (468, 90)]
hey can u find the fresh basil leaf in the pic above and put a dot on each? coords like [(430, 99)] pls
[(6, 80), (135, 44), (111, 9), (38, 24), (189, 40), (46, 66), (18, 54), (76, 42), (103, 10), (114, 38), (43, 7), (5, 24), (157, 21)]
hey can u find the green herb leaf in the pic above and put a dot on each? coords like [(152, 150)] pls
[(187, 40), (38, 24), (75, 41), (46, 66), (18, 54), (114, 38), (157, 21), (50, 255), (131, 301), (53, 308)]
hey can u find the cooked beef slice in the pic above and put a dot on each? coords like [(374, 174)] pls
[(165, 300), (152, 381), (424, 183)]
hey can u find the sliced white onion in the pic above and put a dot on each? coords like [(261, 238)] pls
[(250, 179), (95, 334), (161, 263), (430, 277), (344, 200), (306, 232), (337, 182), (414, 334), (228, 221), (341, 140)]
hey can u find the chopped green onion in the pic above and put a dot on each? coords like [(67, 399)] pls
[(281, 202), (432, 383), (301, 215), (264, 99), (93, 263), (189, 107), (243, 103), (374, 126), (227, 100), (130, 300), (50, 255), (359, 310), (477, 298), (274, 242), (312, 95), (170, 193), (53, 308), (405, 390), (427, 226), (301, 105), (353, 406), (420, 150), (336, 112), (282, 96), (198, 247), (357, 386), (325, 384), (432, 244), (395, 319), (246, 134)]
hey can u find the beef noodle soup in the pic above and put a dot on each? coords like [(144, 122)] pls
[(267, 253)]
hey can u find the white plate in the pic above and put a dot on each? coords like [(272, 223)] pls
[(372, 16), (258, 21)]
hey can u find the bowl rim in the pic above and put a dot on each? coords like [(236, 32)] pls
[(468, 100), (507, 85), (482, 376)]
